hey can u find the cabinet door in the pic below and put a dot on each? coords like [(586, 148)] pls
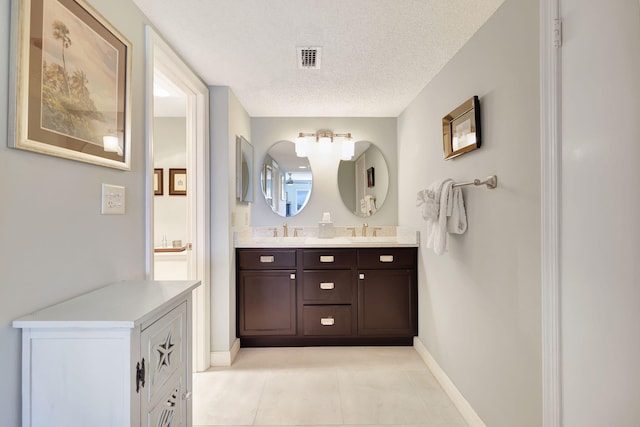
[(170, 409), (267, 302), (387, 303), (164, 348)]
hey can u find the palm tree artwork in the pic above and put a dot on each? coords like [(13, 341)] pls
[(67, 105)]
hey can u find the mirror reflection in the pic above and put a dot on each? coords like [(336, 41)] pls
[(244, 166), (363, 181), (286, 179)]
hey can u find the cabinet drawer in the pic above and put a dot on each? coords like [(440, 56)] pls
[(387, 258), (327, 286), (328, 258), (266, 259), (327, 320)]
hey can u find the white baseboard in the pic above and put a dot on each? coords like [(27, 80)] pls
[(469, 415), (225, 358)]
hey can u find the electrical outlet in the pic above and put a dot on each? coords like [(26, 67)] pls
[(112, 199)]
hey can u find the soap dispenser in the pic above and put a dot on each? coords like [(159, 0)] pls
[(325, 227)]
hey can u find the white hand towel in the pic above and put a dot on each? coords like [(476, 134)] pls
[(429, 200), (370, 204), (457, 221), (437, 229)]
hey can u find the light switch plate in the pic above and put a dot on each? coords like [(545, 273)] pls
[(112, 199)]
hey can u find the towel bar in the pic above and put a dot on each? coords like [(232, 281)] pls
[(491, 182)]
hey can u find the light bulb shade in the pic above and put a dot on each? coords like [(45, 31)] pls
[(302, 146), (324, 139), (348, 149)]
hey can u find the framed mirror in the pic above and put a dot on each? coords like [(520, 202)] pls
[(244, 168), (286, 179), (363, 181)]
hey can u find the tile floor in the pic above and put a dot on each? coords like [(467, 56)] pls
[(323, 386)]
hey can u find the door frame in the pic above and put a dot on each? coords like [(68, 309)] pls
[(550, 172), (159, 54)]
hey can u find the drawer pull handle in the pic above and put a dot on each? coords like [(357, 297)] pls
[(327, 258), (386, 258), (267, 258), (327, 285), (361, 276), (327, 321), (292, 276)]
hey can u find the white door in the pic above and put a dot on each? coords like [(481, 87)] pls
[(185, 172)]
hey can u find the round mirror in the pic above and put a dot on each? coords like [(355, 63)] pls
[(363, 181), (286, 179)]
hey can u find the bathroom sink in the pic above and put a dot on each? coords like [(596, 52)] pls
[(373, 239), (327, 242)]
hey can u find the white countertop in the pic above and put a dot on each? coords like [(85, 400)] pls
[(117, 305), (386, 237)]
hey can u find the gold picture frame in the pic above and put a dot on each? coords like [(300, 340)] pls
[(178, 182), (158, 182), (70, 83), (461, 130)]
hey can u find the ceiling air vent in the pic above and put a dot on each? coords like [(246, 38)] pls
[(309, 58)]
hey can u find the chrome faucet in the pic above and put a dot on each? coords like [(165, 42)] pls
[(375, 231), (295, 231), (353, 231), (285, 230), (275, 231), (364, 229)]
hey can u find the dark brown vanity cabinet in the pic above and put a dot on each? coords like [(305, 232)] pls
[(334, 296), (328, 293), (387, 292), (266, 285)]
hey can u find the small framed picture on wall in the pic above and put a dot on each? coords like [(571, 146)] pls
[(177, 182), (158, 182)]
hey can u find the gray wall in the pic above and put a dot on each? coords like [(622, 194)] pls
[(479, 303), (228, 120), (54, 244), (600, 231), (325, 196)]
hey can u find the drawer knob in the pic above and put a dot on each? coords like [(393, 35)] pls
[(361, 276), (327, 285), (327, 321), (386, 258), (267, 258), (327, 258), (292, 276)]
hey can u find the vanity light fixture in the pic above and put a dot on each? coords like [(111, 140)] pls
[(289, 180), (325, 138)]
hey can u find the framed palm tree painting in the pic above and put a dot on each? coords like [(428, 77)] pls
[(70, 95)]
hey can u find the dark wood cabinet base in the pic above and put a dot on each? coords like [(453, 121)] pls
[(327, 297), (273, 341)]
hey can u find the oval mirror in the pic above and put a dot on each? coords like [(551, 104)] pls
[(286, 179), (363, 181)]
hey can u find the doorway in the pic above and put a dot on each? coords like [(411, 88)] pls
[(178, 226)]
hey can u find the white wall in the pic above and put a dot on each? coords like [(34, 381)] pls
[(600, 231), (228, 120), (479, 304), (54, 244), (325, 196), (169, 151)]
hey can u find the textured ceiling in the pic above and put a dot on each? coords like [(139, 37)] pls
[(376, 54)]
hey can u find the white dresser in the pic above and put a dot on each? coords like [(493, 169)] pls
[(117, 356)]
